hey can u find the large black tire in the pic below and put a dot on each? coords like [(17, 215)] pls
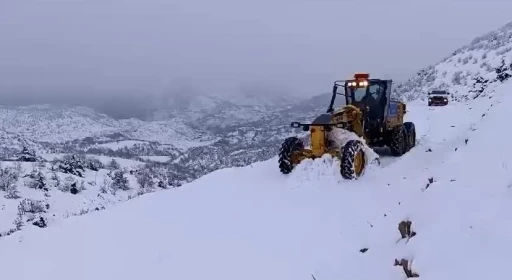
[(290, 145), (411, 134), (398, 144), (348, 167)]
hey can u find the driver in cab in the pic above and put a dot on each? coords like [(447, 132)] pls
[(371, 99)]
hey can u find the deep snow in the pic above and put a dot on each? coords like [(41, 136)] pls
[(255, 223)]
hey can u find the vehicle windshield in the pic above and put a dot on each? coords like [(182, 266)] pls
[(357, 94), (366, 94), (371, 94)]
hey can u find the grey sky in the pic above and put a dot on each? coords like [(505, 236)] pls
[(128, 47)]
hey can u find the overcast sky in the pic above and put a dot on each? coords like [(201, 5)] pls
[(101, 47)]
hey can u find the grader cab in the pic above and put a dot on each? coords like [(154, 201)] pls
[(369, 118)]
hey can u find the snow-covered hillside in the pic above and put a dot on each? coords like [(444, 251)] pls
[(53, 124), (453, 188), (468, 70), (42, 193)]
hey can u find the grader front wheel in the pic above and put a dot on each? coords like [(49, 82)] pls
[(290, 145), (353, 160)]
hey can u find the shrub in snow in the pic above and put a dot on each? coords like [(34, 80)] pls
[(479, 85), (41, 222), (12, 192), (56, 181), (8, 177), (94, 164), (503, 72), (119, 181), (18, 222), (74, 165), (71, 185), (173, 181), (113, 165), (166, 175), (54, 164), (33, 206), (65, 186), (75, 188), (37, 181), (54, 176), (503, 51), (486, 66), (27, 155), (162, 185), (457, 78), (107, 185), (145, 179), (33, 209)]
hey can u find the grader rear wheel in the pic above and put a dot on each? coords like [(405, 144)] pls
[(353, 160), (398, 145), (411, 135)]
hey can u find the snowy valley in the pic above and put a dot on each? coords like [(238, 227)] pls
[(217, 130), (433, 213)]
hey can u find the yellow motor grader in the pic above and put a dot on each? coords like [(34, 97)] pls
[(368, 112)]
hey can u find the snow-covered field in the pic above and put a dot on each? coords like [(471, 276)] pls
[(255, 223)]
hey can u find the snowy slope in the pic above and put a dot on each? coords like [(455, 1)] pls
[(465, 71), (239, 224), (43, 190)]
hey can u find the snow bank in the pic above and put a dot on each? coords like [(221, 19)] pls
[(255, 223)]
